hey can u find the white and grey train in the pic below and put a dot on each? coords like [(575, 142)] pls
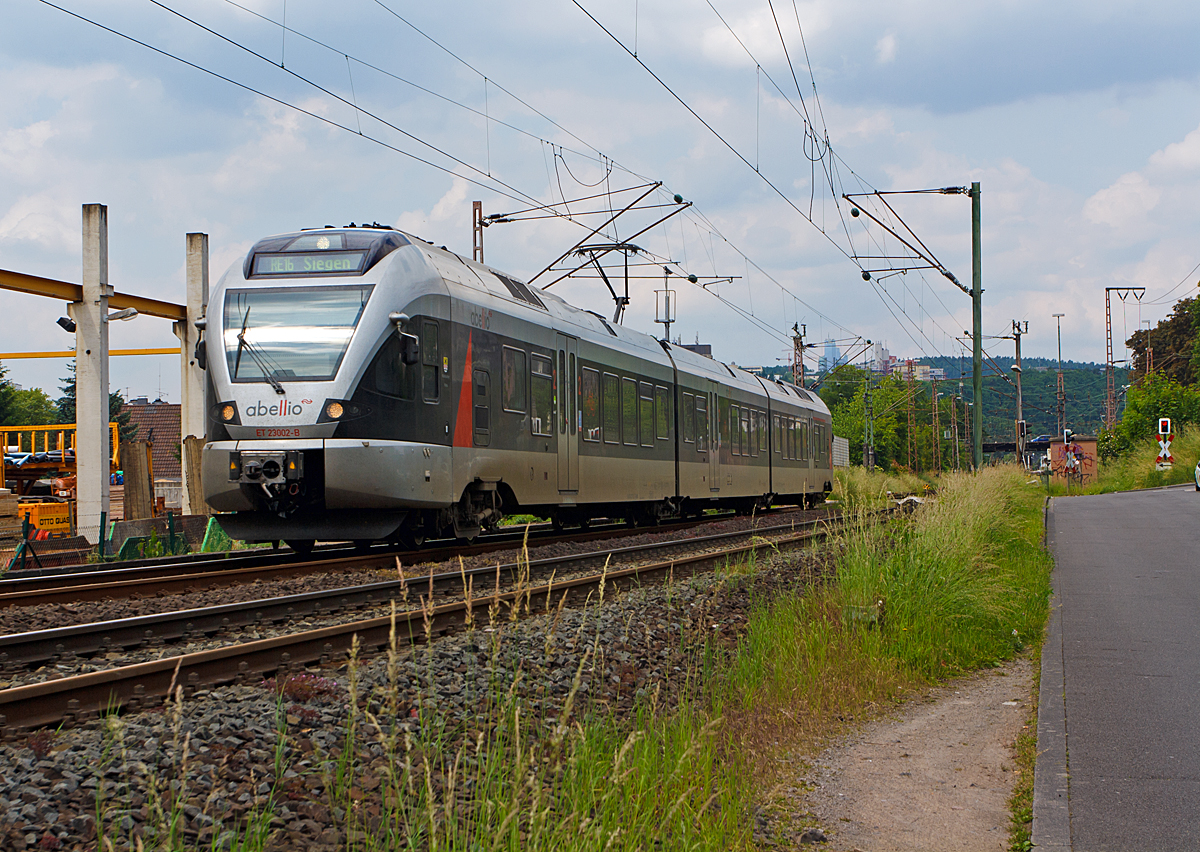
[(365, 385)]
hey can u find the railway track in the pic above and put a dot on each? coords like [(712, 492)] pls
[(71, 700), (173, 576)]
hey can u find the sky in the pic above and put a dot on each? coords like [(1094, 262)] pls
[(1080, 121)]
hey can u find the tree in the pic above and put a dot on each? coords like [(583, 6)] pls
[(6, 392), (29, 408), (1176, 344), (66, 405)]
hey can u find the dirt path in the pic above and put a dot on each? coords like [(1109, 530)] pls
[(934, 775)]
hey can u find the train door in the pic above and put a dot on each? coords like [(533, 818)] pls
[(714, 440), (568, 412)]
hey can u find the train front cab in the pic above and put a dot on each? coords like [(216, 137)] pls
[(292, 450)]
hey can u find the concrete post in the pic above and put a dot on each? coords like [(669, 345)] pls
[(91, 375), (192, 402)]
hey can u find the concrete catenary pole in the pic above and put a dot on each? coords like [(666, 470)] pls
[(91, 376), (977, 330), (192, 401), (1017, 332)]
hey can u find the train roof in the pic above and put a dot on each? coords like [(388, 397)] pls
[(377, 241)]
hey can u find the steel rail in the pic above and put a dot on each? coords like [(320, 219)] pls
[(22, 651), (157, 579), (70, 701)]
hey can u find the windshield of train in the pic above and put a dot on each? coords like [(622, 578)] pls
[(290, 334)]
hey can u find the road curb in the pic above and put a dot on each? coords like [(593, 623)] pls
[(1051, 811)]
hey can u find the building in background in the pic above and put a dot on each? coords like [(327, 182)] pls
[(831, 358), (158, 423)]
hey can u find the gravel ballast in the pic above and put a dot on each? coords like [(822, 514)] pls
[(219, 747)]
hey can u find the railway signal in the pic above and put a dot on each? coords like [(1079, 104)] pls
[(1165, 460)]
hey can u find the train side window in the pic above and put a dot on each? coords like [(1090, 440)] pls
[(541, 396), (430, 378), (791, 439), (748, 448), (702, 439), (629, 418), (514, 380), (612, 409), (392, 376), (483, 387), (735, 448), (591, 404), (646, 410), (662, 402), (689, 418), (775, 433), (802, 439)]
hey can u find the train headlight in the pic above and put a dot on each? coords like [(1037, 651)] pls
[(226, 413), (341, 410)]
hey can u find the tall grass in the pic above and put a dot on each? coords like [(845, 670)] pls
[(960, 585), (856, 487)]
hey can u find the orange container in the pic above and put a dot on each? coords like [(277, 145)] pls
[(53, 517)]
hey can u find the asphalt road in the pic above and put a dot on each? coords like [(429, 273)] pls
[(1127, 577)]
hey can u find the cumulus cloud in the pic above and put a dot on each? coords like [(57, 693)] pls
[(1179, 155), (1124, 203)]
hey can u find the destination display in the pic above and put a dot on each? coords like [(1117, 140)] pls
[(294, 263)]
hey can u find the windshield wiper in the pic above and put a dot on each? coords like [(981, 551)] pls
[(237, 361), (259, 360)]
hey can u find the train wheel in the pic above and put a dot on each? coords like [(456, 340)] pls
[(302, 547), (412, 539)]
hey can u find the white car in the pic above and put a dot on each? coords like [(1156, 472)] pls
[(1197, 476)]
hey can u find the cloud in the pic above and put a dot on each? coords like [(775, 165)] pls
[(450, 214), (45, 219), (1179, 155), (1124, 204), (885, 49)]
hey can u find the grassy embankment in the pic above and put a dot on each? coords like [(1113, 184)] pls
[(960, 584), (1136, 469)]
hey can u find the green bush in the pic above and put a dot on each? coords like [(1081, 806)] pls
[(1154, 397)]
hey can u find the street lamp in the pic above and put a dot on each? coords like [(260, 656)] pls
[(1060, 393)]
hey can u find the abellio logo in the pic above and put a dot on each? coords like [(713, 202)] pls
[(282, 408)]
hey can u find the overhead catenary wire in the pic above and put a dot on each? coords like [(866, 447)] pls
[(486, 182), (504, 190), (782, 195), (556, 150)]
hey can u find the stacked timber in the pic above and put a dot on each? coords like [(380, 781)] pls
[(10, 524)]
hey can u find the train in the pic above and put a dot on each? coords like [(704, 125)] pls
[(365, 385)]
